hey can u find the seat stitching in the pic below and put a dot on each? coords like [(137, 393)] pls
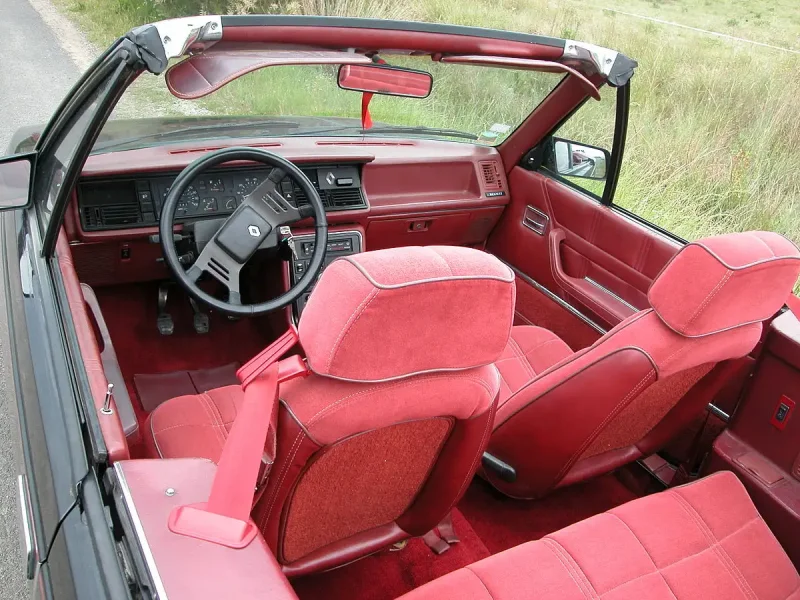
[(443, 259), (359, 309), (481, 580), (725, 559), (521, 356), (605, 421), (572, 568), (292, 453), (650, 556), (710, 297), (204, 400), (218, 416), (739, 529), (771, 251), (538, 347), (153, 433), (474, 379), (171, 427)]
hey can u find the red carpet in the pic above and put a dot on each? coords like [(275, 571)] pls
[(130, 312), (387, 575), (486, 523), (503, 523)]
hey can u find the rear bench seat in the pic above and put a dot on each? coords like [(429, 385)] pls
[(701, 541)]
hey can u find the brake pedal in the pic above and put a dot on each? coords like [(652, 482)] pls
[(164, 322), (201, 321)]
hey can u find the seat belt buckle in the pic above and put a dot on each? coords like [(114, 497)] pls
[(269, 355)]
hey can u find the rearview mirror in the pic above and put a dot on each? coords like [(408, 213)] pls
[(15, 179), (390, 81), (571, 159)]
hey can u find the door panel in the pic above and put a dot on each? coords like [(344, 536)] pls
[(763, 446), (589, 255)]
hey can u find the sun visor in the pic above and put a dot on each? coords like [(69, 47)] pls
[(204, 73)]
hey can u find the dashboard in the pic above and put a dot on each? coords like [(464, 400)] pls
[(129, 202)]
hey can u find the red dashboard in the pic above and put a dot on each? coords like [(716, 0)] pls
[(416, 192)]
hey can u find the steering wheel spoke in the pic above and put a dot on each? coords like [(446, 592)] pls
[(271, 205), (261, 213), (215, 261)]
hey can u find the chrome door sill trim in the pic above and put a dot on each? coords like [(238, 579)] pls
[(610, 293), (556, 299), (28, 538), (718, 412)]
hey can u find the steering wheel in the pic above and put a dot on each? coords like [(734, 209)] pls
[(263, 211)]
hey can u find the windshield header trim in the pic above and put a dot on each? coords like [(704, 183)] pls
[(386, 24)]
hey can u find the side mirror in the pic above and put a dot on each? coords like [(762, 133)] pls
[(390, 81), (571, 159), (15, 181)]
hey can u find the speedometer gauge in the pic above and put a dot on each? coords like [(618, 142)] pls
[(189, 202)]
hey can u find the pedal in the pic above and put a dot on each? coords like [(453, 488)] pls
[(201, 321), (164, 322)]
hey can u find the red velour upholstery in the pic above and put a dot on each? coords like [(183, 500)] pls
[(392, 313), (700, 541), (530, 351), (593, 411), (732, 279), (361, 464)]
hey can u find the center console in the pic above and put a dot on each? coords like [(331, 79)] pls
[(340, 243)]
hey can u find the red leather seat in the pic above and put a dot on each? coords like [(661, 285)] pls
[(565, 417), (702, 541), (383, 438)]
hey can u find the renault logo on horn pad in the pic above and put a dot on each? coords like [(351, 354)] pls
[(254, 230)]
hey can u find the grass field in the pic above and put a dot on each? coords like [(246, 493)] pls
[(714, 137)]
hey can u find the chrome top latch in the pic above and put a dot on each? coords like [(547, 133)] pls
[(107, 410)]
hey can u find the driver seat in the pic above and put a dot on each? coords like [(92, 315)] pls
[(383, 438)]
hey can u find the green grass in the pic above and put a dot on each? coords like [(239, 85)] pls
[(714, 137)]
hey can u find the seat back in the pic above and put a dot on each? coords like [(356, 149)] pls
[(648, 377), (382, 440)]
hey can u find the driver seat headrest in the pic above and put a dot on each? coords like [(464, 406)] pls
[(400, 312)]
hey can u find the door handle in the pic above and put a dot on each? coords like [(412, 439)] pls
[(535, 220)]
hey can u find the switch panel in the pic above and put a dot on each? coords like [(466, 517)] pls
[(782, 413)]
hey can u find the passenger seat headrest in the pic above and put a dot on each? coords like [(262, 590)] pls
[(399, 312), (727, 281)]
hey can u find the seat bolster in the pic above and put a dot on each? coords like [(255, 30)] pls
[(703, 540), (543, 429), (331, 410)]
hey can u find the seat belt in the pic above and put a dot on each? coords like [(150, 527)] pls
[(248, 453)]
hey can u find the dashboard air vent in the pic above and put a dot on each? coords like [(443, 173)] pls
[(346, 198), (491, 176)]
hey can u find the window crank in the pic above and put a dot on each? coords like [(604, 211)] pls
[(107, 410)]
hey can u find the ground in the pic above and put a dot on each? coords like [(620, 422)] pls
[(36, 74)]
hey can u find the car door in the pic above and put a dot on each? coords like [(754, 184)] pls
[(583, 264)]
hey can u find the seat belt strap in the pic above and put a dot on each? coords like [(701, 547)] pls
[(225, 518)]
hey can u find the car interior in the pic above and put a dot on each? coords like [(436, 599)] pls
[(494, 354)]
